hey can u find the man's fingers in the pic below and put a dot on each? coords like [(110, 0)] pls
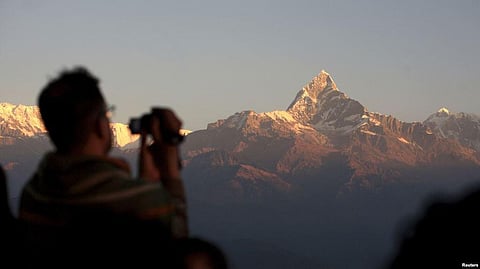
[(147, 168), (166, 121)]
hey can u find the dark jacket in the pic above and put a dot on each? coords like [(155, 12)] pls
[(94, 202)]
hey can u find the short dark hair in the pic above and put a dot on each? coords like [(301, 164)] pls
[(67, 105)]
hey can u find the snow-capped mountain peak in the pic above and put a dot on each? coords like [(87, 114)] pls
[(463, 127), (122, 135), (443, 111), (322, 105), (318, 105), (323, 81), (20, 120), (313, 91)]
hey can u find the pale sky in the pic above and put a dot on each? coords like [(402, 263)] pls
[(209, 59)]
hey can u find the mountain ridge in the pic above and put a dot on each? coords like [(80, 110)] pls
[(322, 125), (321, 122)]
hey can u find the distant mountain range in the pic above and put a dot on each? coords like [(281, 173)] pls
[(321, 182), (325, 180), (250, 154), (265, 152)]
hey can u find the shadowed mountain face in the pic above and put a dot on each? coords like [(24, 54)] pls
[(323, 184)]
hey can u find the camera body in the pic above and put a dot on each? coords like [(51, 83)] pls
[(136, 125)]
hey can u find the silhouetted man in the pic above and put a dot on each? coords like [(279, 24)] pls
[(81, 200), (446, 236)]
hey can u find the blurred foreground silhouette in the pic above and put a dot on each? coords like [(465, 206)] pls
[(446, 236)]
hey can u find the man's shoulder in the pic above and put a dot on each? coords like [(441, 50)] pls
[(87, 179)]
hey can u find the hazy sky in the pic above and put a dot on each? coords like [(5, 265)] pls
[(210, 59)]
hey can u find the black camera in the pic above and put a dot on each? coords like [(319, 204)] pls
[(136, 126)]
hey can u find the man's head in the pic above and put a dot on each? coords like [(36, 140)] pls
[(74, 110)]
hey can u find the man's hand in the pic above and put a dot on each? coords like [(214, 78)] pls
[(146, 164), (160, 160)]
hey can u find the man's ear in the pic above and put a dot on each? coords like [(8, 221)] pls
[(101, 128)]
